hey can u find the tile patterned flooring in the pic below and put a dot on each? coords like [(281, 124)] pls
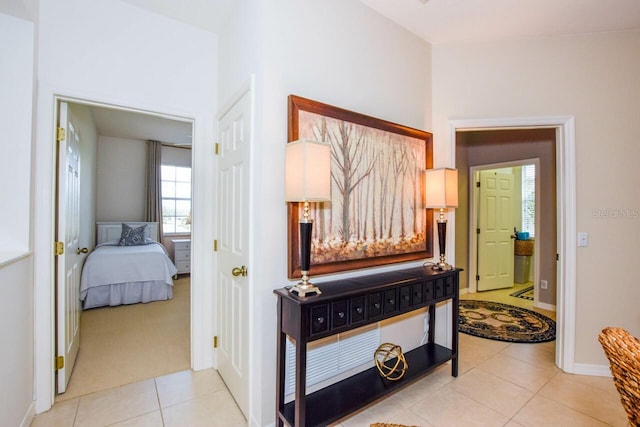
[(499, 384)]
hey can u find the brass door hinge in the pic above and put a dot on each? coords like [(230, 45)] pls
[(58, 248), (477, 277), (59, 362), (215, 342), (217, 148), (61, 134), (215, 245)]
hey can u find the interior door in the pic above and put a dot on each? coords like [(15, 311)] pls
[(495, 223), (233, 231), (69, 253)]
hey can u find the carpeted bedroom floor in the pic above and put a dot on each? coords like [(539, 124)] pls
[(125, 344)]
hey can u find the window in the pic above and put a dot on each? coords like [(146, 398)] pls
[(176, 199), (529, 199)]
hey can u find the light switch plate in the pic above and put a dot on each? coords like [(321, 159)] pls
[(583, 239)]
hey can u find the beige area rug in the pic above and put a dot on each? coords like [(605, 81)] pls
[(129, 343)]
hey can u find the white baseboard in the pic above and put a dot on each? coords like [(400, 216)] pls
[(545, 306), (29, 416), (593, 370)]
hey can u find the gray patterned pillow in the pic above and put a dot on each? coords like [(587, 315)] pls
[(133, 236)]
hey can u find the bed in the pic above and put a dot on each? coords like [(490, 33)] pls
[(126, 268)]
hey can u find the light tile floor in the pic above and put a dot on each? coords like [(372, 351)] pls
[(499, 384)]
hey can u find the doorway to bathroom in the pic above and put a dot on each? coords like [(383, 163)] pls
[(502, 211), (498, 154)]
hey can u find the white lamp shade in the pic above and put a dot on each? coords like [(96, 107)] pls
[(308, 171), (441, 188)]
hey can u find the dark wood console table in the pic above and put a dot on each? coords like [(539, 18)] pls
[(348, 304)]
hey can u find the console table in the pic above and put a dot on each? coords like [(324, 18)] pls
[(348, 304)]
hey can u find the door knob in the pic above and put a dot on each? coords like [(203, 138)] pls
[(81, 251), (242, 271)]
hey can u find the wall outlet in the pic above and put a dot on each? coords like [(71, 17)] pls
[(544, 284)]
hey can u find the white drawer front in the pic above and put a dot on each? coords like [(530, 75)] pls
[(182, 245), (183, 266), (182, 256)]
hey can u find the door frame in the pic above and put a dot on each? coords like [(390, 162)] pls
[(45, 181), (565, 213), (473, 219)]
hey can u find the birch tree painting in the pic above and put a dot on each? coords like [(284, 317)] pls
[(377, 188)]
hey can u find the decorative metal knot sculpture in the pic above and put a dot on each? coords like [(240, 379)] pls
[(390, 361)]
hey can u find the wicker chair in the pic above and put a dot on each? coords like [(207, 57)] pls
[(623, 351)]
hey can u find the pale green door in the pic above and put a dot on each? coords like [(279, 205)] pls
[(496, 224)]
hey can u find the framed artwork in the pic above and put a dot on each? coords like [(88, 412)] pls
[(376, 215)]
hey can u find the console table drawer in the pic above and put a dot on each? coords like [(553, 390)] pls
[(357, 310), (390, 301), (374, 305), (418, 296), (449, 286), (406, 296), (428, 290), (339, 311), (319, 319), (439, 291)]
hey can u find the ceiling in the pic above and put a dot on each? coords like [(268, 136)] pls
[(444, 21), (132, 125), (436, 21)]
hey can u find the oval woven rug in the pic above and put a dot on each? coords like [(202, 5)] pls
[(504, 322)]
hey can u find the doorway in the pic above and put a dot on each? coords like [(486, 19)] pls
[(503, 203), (125, 132), (563, 130)]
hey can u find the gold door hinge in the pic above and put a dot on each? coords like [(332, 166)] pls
[(215, 245), (58, 248), (61, 134), (215, 342), (217, 148), (59, 362)]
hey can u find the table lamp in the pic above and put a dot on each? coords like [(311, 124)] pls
[(441, 192), (308, 179)]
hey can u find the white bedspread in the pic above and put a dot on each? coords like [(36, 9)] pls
[(110, 264)]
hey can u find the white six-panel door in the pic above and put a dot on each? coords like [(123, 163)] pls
[(69, 263), (233, 253)]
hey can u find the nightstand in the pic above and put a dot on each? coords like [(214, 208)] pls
[(182, 255)]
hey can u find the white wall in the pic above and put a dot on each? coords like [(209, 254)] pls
[(16, 261), (593, 78), (338, 52), (121, 176), (16, 335), (122, 55), (16, 103)]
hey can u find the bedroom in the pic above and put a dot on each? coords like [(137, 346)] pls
[(113, 152)]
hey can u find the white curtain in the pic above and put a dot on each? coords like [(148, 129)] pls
[(153, 203)]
